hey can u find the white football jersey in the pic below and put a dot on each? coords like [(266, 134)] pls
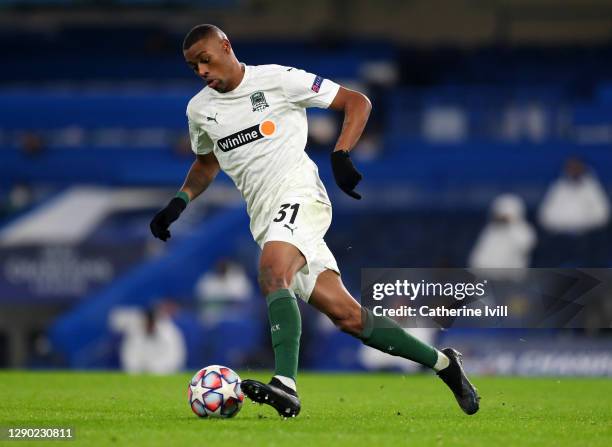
[(258, 133)]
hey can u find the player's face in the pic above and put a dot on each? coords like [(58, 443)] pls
[(210, 60)]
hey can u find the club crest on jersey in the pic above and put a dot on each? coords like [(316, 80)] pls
[(258, 101), (246, 136)]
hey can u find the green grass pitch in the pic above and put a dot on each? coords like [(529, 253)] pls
[(338, 410)]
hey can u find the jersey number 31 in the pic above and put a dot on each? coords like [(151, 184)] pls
[(282, 213)]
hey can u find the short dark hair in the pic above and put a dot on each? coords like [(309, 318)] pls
[(199, 32)]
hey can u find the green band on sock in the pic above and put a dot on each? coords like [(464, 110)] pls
[(183, 195), (386, 335), (285, 330)]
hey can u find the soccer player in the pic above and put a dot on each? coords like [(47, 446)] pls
[(250, 121)]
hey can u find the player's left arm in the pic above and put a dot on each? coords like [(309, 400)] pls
[(356, 107)]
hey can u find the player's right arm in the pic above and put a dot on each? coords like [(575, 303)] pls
[(201, 174)]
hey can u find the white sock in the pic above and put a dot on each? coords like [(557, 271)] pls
[(289, 382), (442, 362)]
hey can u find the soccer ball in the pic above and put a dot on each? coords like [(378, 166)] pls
[(215, 391)]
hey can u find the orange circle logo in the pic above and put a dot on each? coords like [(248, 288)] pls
[(267, 128)]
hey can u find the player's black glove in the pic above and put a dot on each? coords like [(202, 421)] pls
[(347, 177), (162, 220)]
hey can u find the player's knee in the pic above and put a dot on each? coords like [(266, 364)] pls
[(273, 277)]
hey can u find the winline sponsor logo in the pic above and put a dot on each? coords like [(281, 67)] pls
[(246, 136)]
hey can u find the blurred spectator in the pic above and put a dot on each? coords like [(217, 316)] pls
[(222, 288), (152, 343), (507, 240), (575, 213), (576, 203)]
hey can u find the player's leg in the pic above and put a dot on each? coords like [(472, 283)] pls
[(278, 265), (331, 297)]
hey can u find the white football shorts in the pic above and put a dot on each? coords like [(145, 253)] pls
[(303, 222)]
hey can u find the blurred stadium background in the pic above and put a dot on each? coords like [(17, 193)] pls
[(472, 99)]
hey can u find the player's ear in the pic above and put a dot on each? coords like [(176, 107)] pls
[(225, 44)]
